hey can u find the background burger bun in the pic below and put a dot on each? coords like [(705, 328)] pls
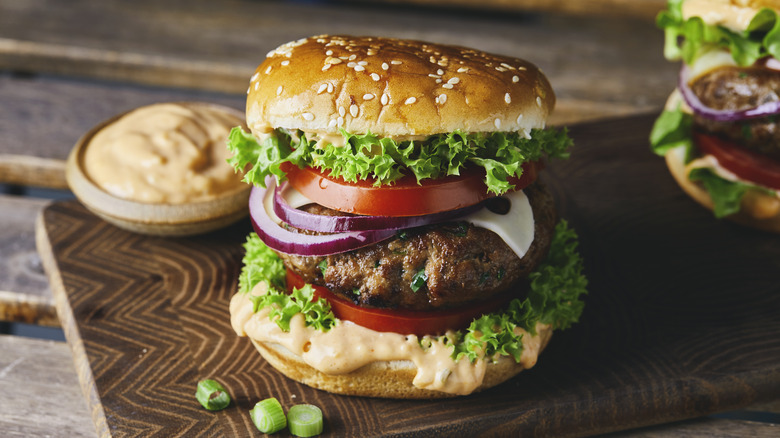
[(394, 88), (733, 14), (758, 210), (385, 379)]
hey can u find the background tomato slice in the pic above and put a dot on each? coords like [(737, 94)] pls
[(405, 322), (405, 197), (746, 164)]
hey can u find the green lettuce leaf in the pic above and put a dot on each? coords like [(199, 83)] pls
[(554, 298), (688, 39), (384, 160), (726, 195), (317, 313), (672, 129)]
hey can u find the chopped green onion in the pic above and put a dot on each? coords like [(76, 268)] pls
[(268, 416), (419, 280), (212, 395), (305, 420)]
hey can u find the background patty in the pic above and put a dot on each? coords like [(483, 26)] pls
[(461, 263), (734, 89)]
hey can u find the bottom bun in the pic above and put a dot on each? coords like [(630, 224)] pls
[(758, 210), (385, 379)]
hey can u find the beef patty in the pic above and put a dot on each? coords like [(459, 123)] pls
[(734, 89), (431, 267)]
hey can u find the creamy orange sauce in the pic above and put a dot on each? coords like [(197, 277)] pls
[(735, 15), (348, 346), (164, 153)]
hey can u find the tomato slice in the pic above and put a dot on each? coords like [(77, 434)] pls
[(404, 197), (746, 164), (405, 322)]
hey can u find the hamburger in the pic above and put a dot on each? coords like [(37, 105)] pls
[(403, 246), (719, 131)]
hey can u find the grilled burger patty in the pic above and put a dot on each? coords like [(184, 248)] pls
[(732, 88), (449, 264)]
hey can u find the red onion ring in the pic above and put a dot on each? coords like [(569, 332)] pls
[(337, 224), (289, 242), (702, 110)]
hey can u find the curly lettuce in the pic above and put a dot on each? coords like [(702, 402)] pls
[(689, 39), (554, 298), (385, 160)]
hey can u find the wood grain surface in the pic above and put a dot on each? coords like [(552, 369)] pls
[(681, 319)]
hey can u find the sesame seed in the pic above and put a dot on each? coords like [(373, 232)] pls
[(439, 72), (330, 88), (359, 68), (374, 76), (326, 66), (340, 121), (442, 98), (308, 116), (497, 122), (519, 118), (268, 70), (515, 79), (279, 90), (501, 69), (248, 89), (333, 60), (254, 77), (453, 81), (396, 62), (539, 101), (342, 111), (522, 68), (438, 81), (351, 64), (385, 66), (410, 100), (463, 70), (322, 88), (507, 66), (329, 52), (447, 86), (257, 85), (353, 110), (352, 57), (363, 63), (368, 96), (507, 98), (332, 123), (431, 75), (385, 99), (285, 62)]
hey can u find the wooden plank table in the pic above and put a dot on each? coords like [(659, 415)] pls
[(66, 66)]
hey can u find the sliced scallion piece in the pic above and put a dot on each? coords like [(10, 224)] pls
[(212, 395), (305, 420), (268, 416)]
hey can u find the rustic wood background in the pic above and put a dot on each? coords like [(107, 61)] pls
[(665, 336)]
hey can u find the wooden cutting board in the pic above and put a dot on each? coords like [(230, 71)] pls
[(682, 318)]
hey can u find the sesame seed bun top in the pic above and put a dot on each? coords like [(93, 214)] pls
[(394, 88)]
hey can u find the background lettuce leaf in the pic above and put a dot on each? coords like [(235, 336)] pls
[(688, 39)]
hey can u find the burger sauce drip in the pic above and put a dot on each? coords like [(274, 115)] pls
[(348, 346)]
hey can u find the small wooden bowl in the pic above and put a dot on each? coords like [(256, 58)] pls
[(153, 218)]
